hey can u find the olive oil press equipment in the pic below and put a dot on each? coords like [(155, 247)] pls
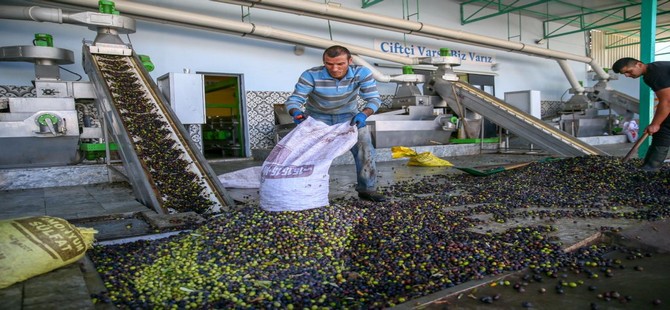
[(164, 166), (42, 130)]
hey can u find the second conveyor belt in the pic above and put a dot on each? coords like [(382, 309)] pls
[(524, 125)]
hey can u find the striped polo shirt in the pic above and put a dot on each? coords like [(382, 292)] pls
[(321, 93)]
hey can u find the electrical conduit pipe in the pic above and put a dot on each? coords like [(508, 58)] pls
[(381, 77), (578, 88), (333, 12), (209, 22)]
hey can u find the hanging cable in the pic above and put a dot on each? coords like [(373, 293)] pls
[(75, 73), (330, 30)]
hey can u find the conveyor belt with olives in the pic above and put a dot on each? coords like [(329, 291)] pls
[(165, 172), (514, 119)]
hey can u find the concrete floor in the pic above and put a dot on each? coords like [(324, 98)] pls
[(84, 204)]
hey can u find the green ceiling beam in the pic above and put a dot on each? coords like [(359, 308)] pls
[(580, 19), (608, 30), (658, 39), (485, 3), (660, 31), (623, 38), (497, 5), (637, 30), (368, 3)]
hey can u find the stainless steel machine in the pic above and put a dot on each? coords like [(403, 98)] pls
[(166, 169), (41, 131), (595, 111), (417, 122), (414, 119)]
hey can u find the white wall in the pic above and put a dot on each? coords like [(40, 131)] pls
[(626, 85), (272, 66)]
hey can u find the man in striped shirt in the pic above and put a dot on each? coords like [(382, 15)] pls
[(329, 93)]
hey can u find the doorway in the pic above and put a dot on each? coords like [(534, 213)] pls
[(225, 133)]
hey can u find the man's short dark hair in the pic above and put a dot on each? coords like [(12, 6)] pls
[(336, 50), (622, 63)]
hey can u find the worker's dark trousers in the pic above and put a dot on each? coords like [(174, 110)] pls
[(658, 151)]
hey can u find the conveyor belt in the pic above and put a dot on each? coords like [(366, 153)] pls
[(509, 117), (619, 101), (165, 172)]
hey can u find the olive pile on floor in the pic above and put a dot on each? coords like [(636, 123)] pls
[(356, 254)]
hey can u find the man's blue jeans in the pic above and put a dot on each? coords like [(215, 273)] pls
[(363, 151)]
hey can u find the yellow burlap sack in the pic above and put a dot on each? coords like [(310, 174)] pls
[(35, 245), (425, 159)]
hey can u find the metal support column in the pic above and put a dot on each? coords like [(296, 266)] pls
[(647, 50)]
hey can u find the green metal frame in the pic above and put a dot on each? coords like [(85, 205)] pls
[(501, 7), (405, 10), (368, 3), (600, 17), (622, 12), (507, 8), (659, 37)]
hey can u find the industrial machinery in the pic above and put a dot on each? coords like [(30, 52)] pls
[(505, 115), (220, 134), (417, 124), (595, 111), (621, 103), (186, 95), (413, 119), (159, 158), (109, 62), (41, 131), (422, 29)]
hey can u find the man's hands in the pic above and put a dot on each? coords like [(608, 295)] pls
[(662, 111), (298, 116), (359, 120), (652, 129)]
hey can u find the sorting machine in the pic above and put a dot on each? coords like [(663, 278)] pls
[(162, 163)]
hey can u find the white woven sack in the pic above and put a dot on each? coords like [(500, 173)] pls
[(245, 178), (295, 174)]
